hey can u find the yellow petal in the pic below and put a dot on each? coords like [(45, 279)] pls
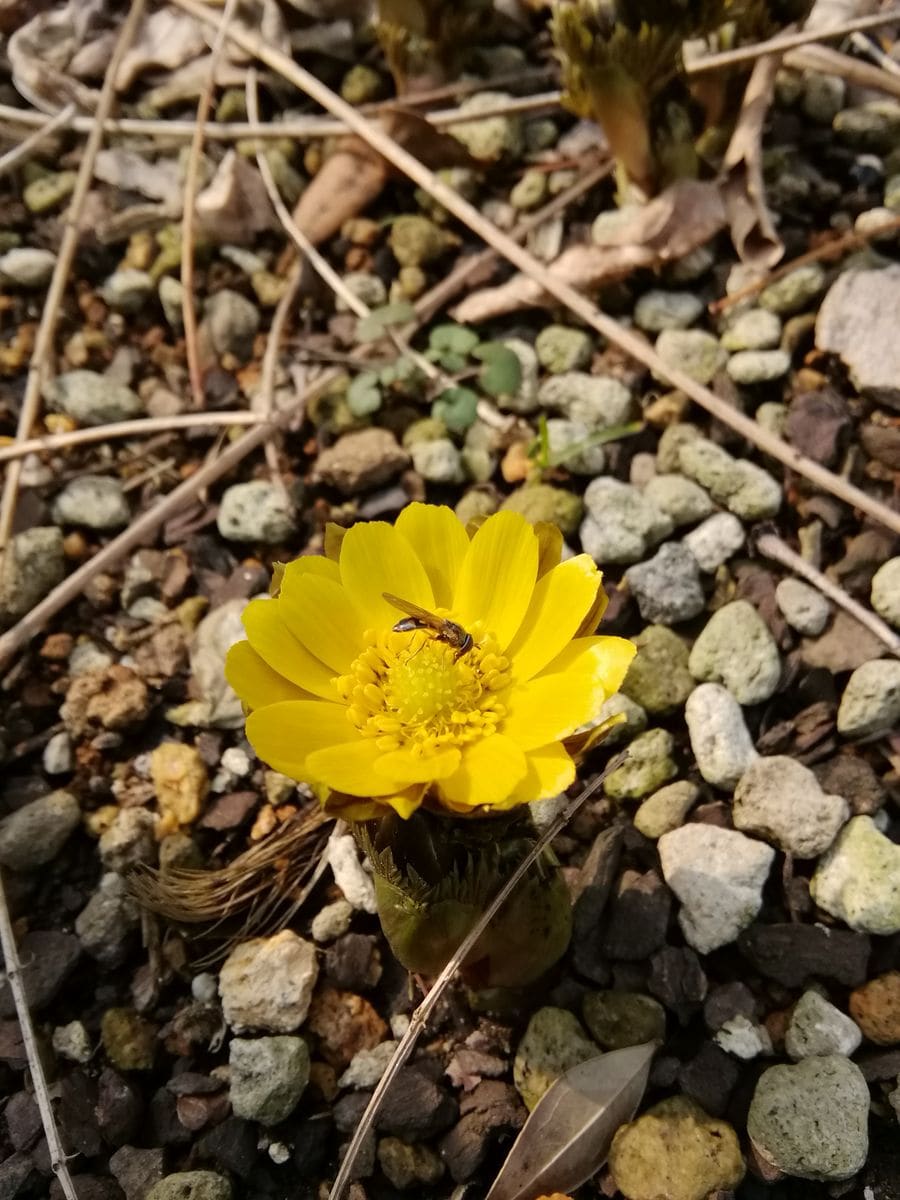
[(351, 768), (376, 559), (255, 681), (498, 576), (403, 766), (309, 564), (558, 605), (285, 735), (609, 658), (334, 536), (276, 645), (351, 808), (321, 615), (489, 772), (550, 544), (595, 612), (550, 771), (406, 802), (439, 540)]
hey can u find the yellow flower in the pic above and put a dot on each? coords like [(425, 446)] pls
[(372, 717)]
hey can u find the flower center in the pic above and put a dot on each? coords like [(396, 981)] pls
[(411, 689)]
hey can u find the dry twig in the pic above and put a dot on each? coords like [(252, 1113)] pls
[(139, 427), (425, 1009), (43, 342), (35, 1066), (832, 62), (188, 215), (836, 248), (23, 151), (579, 304), (773, 547)]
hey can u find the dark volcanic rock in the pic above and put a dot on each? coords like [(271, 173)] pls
[(137, 1170), (791, 954), (491, 1111), (232, 1145), (709, 1078), (47, 958), (637, 917), (678, 980), (591, 894), (416, 1107)]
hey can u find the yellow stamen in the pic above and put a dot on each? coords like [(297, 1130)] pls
[(410, 690)]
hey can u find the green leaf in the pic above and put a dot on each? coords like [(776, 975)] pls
[(501, 374), (364, 394), (456, 407), (600, 438), (379, 320), (456, 339)]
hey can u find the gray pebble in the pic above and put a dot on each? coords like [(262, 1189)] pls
[(803, 607), (129, 841), (649, 765), (666, 809), (191, 1185), (258, 511), (871, 700), (621, 525), (171, 297), (438, 461), (772, 415), (874, 126), (267, 983), (331, 922), (736, 648), (780, 800), (34, 834), (27, 266), (91, 398), (693, 351), (823, 96), (718, 875), (635, 719), (106, 923), (368, 1066), (563, 436), (744, 488), (858, 880), (886, 591), (756, 329), (818, 1028), (364, 286), (795, 291), (127, 290), (667, 587), (681, 499), (715, 541), (233, 323), (361, 460), (33, 564), (560, 348), (267, 1077), (95, 501), (720, 740), (597, 401), (751, 367), (811, 1120), (657, 310), (58, 757)]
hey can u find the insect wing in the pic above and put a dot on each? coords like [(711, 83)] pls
[(413, 610)]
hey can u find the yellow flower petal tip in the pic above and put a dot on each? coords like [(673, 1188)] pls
[(428, 663)]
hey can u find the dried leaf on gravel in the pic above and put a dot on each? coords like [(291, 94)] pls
[(235, 206), (39, 55), (568, 1135), (679, 220), (752, 228)]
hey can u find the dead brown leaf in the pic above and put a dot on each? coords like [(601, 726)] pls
[(39, 54), (167, 38), (235, 206), (679, 220), (752, 229)]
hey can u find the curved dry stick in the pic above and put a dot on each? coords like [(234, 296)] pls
[(32, 1053), (43, 342), (578, 303), (773, 547), (423, 1012)]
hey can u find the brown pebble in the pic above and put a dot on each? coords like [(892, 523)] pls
[(875, 1007)]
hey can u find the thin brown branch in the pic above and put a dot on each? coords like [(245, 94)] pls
[(626, 339), (24, 150), (188, 215), (773, 547), (788, 41), (832, 62), (35, 1066), (425, 1009), (43, 342), (836, 248), (140, 427)]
